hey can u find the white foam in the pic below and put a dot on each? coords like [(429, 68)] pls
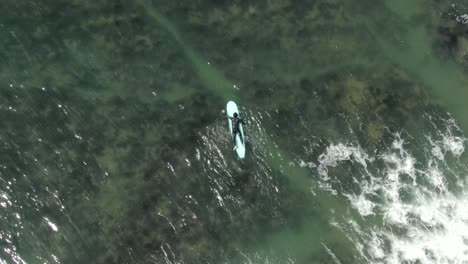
[(463, 19), (362, 204), (453, 144), (435, 176), (376, 246), (436, 225), (442, 236), (424, 221), (448, 142), (335, 154), (437, 152), (304, 164), (335, 259)]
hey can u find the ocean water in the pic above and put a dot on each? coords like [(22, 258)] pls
[(113, 147)]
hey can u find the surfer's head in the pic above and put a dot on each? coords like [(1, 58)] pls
[(235, 114)]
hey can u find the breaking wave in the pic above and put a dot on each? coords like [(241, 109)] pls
[(409, 207)]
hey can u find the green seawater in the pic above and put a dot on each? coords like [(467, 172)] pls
[(113, 147)]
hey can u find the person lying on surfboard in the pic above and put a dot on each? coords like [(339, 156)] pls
[(235, 129)]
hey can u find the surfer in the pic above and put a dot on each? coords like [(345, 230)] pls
[(235, 129)]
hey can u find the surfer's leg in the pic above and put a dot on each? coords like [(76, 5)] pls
[(241, 139), (234, 137), (234, 140)]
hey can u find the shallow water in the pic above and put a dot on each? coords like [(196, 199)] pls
[(114, 149)]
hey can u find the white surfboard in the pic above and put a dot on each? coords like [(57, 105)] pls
[(231, 108)]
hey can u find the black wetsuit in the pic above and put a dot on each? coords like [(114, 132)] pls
[(236, 130)]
